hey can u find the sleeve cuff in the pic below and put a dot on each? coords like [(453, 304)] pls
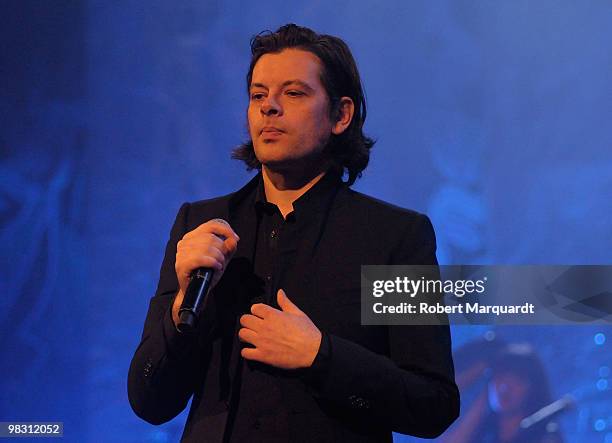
[(317, 373), (177, 343)]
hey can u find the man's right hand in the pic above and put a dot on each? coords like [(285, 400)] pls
[(210, 245)]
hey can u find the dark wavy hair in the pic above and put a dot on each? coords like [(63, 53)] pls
[(521, 359), (349, 151)]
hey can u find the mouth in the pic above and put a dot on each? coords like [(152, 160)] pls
[(270, 131)]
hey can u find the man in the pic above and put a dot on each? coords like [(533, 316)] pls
[(279, 354)]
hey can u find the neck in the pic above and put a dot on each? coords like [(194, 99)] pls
[(283, 189)]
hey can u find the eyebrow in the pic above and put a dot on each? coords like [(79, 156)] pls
[(286, 83)]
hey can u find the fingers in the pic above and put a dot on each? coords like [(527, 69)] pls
[(206, 245), (223, 232), (262, 310), (210, 245), (251, 354), (247, 335), (251, 322), (207, 239), (220, 229), (230, 244), (178, 301), (195, 261)]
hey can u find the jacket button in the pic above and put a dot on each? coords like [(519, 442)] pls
[(359, 402), (148, 368)]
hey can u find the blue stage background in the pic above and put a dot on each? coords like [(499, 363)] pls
[(494, 118)]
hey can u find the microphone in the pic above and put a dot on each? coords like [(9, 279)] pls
[(196, 296)]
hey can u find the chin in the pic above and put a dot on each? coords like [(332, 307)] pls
[(285, 163), (280, 165), (273, 157)]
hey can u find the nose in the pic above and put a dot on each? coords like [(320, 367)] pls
[(270, 107)]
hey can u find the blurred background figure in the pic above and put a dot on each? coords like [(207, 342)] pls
[(504, 389)]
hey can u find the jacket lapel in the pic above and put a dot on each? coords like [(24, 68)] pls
[(241, 216)]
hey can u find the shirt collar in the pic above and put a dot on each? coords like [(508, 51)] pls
[(313, 201)]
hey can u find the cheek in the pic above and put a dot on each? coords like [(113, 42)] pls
[(251, 120), (320, 125)]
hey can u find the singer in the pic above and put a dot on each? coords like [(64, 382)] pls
[(278, 353)]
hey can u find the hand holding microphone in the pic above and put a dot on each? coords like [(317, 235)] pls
[(201, 258)]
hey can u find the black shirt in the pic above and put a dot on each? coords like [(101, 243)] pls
[(283, 246)]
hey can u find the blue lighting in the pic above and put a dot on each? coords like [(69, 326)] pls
[(158, 436), (602, 384), (599, 339), (604, 371), (608, 438), (599, 425)]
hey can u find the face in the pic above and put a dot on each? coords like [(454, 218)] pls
[(288, 110), (510, 392)]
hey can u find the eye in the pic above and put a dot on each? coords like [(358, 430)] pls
[(294, 93), (257, 96)]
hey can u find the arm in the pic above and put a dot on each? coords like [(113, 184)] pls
[(413, 390), (162, 373), (465, 430)]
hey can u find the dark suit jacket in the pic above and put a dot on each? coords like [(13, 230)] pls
[(378, 379)]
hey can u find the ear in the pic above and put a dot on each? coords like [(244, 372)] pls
[(346, 109)]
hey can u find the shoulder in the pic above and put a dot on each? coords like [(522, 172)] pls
[(219, 207), (197, 212), (374, 211), (367, 202), (408, 234), (210, 203)]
